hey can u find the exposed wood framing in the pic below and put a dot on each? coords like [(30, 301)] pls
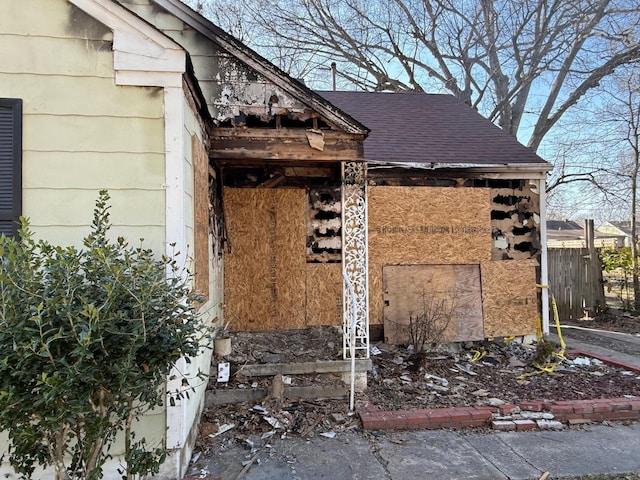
[(324, 225), (262, 144), (515, 221)]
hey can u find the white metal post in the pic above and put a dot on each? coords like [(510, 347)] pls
[(355, 253)]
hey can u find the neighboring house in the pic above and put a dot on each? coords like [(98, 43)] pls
[(622, 230), (317, 208), (569, 234), (93, 97)]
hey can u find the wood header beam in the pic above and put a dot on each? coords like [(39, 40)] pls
[(284, 145)]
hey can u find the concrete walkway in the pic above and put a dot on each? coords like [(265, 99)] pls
[(432, 454), (623, 347)]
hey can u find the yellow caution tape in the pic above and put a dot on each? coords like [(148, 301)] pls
[(549, 367), (478, 355)]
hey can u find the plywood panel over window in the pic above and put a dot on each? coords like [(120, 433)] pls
[(433, 303), (265, 273), (201, 216), (510, 298)]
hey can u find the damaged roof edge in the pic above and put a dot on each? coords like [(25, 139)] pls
[(263, 66), (541, 168)]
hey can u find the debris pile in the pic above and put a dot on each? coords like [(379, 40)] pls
[(479, 373), (487, 373)]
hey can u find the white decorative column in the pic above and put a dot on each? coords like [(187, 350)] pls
[(355, 252)]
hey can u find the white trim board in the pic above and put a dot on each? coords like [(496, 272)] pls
[(142, 55)]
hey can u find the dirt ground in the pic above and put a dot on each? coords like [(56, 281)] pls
[(613, 320), (487, 372)]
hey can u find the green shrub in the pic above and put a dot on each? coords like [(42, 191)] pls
[(87, 339)]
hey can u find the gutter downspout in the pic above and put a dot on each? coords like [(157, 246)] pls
[(544, 267)]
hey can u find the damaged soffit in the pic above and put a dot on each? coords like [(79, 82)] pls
[(243, 74)]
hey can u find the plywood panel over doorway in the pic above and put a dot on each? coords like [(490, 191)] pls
[(265, 272), (425, 225), (412, 291)]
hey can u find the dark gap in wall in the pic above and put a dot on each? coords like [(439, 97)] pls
[(499, 215), (326, 215), (269, 121), (496, 183), (521, 230), (523, 247), (509, 200), (327, 197), (325, 250)]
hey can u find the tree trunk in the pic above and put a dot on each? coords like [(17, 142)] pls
[(634, 240)]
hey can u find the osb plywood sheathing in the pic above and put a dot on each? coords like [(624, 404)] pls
[(265, 273), (442, 302), (424, 225), (202, 214), (324, 294), (509, 297)]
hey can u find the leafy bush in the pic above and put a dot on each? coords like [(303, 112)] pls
[(617, 258), (87, 339)]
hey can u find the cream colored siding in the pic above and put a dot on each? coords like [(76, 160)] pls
[(85, 131), (40, 55), (82, 132), (50, 169), (79, 133)]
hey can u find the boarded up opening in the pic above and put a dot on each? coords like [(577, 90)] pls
[(448, 297), (425, 226), (265, 272), (268, 283), (510, 298), (201, 216)]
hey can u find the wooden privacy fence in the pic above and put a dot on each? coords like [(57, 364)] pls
[(575, 278)]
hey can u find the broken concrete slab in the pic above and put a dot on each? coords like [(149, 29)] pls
[(331, 366), (226, 396)]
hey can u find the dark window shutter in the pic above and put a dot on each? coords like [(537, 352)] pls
[(10, 165)]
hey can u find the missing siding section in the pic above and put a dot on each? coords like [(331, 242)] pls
[(217, 225), (515, 219), (324, 225)]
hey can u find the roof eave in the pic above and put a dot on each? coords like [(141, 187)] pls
[(539, 167), (263, 66)]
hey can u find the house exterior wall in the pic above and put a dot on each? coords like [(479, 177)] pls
[(104, 107), (81, 131), (436, 227), (608, 228), (228, 86)]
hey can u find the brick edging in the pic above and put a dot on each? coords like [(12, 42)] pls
[(606, 359), (504, 417), (509, 417)]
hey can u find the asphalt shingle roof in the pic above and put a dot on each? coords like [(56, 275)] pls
[(563, 225), (428, 128)]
